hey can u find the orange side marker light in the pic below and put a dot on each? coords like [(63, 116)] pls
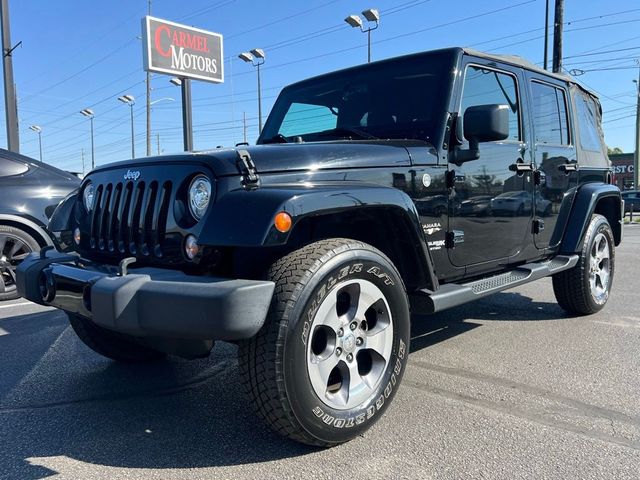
[(283, 222)]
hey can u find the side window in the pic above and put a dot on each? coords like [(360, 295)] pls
[(11, 167), (303, 118), (588, 124), (549, 114), (483, 86)]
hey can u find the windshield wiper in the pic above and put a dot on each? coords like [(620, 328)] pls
[(279, 138), (347, 131)]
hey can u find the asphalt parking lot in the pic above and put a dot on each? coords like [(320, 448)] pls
[(507, 387)]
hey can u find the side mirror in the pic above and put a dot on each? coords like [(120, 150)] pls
[(486, 123), (482, 123)]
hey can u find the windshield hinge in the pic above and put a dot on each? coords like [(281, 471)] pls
[(247, 168)]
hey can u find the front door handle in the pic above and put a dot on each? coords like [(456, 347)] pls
[(520, 167)]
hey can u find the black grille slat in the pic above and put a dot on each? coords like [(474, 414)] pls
[(146, 219), (159, 224), (134, 217), (123, 215), (104, 215), (95, 215), (113, 225)]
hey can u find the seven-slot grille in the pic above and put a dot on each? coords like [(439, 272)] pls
[(130, 217)]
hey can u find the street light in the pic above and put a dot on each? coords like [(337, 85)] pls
[(256, 58), (169, 99), (636, 156), (38, 130), (87, 112), (131, 101), (372, 16)]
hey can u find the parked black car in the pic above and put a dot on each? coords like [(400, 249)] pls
[(631, 201), (311, 249), (29, 193)]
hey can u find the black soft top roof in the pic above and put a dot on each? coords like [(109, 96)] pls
[(458, 51)]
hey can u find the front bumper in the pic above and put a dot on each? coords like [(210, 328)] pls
[(148, 302)]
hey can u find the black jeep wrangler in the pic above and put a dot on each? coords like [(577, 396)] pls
[(412, 184)]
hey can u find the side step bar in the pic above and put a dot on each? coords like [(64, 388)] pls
[(454, 294)]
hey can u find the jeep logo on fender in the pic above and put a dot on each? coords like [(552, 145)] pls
[(132, 175), (181, 50)]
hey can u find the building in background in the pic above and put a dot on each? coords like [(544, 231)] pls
[(622, 170)]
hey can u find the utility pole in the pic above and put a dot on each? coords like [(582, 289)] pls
[(149, 103), (10, 102), (82, 153), (546, 36), (557, 36), (158, 137), (636, 157)]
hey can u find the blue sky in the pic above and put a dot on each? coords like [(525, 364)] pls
[(77, 54)]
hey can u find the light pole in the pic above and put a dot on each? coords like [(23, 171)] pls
[(187, 123), (372, 16), (38, 130), (131, 101), (256, 58), (636, 156), (87, 112)]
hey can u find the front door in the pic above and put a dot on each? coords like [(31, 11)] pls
[(491, 205)]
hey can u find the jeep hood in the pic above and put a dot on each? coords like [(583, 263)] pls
[(300, 156)]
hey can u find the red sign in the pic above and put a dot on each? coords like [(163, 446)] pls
[(182, 51)]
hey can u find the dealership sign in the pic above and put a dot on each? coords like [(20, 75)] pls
[(182, 51)]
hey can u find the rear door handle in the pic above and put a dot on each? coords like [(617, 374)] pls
[(568, 167)]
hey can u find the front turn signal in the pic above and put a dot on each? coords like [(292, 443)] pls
[(283, 222)]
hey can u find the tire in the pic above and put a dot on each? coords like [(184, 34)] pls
[(332, 280), (15, 244), (585, 288), (113, 345)]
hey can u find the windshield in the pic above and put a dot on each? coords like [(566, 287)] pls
[(400, 99)]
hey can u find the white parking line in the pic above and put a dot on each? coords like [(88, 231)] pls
[(22, 304)]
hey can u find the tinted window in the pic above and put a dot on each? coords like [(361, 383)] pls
[(303, 118), (549, 114), (11, 167), (588, 124), (483, 87)]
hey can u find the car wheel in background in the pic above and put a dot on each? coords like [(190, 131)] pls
[(15, 245)]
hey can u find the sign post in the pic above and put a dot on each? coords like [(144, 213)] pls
[(185, 52)]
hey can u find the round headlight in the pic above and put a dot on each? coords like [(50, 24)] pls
[(199, 196), (87, 196)]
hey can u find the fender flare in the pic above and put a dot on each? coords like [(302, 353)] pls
[(245, 218), (584, 206), (40, 230)]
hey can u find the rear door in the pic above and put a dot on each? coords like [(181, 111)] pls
[(555, 156)]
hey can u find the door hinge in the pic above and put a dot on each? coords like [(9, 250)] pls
[(538, 177), (449, 240), (452, 238), (538, 226), (247, 168), (450, 178)]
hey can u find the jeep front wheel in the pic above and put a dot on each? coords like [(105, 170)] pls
[(333, 349)]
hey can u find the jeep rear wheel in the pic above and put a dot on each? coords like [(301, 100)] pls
[(332, 352), (585, 288)]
